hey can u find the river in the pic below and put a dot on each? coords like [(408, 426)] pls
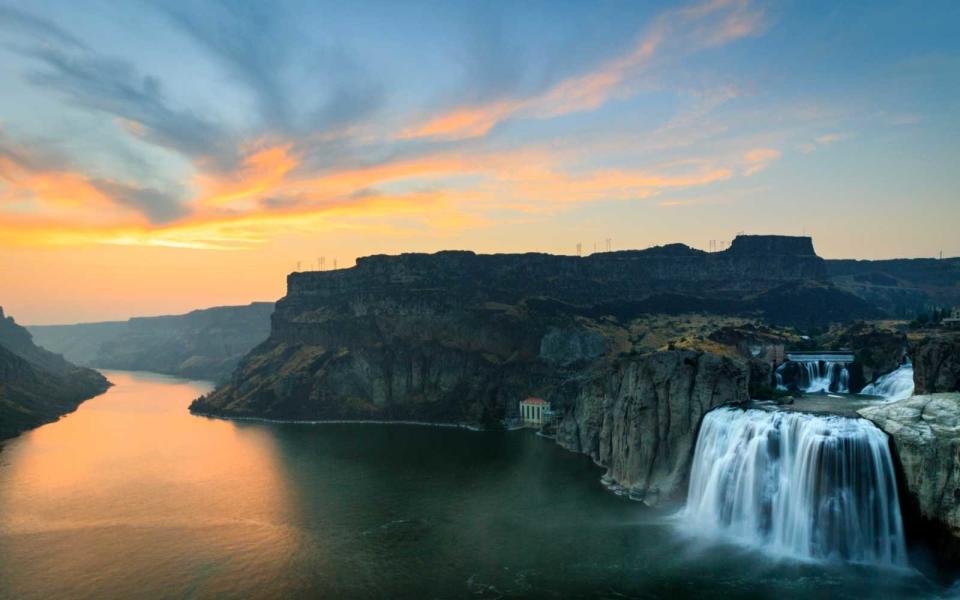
[(132, 496)]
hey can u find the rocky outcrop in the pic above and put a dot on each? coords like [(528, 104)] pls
[(936, 363), (640, 420), (202, 344), (925, 430), (37, 386)]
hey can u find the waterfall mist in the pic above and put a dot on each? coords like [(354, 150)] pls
[(805, 486)]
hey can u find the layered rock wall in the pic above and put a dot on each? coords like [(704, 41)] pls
[(640, 420)]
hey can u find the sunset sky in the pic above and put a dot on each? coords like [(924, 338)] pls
[(157, 157)]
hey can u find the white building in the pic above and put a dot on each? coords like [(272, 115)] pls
[(534, 411)]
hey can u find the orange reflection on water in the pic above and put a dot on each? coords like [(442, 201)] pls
[(131, 471)]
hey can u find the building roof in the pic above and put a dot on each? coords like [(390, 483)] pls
[(535, 401)]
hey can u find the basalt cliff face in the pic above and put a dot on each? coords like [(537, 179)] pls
[(202, 344), (936, 363), (37, 386), (640, 419)]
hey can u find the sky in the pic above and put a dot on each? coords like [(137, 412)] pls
[(160, 156)]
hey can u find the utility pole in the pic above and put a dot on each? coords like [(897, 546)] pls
[(579, 248), (609, 245), (298, 266), (334, 264)]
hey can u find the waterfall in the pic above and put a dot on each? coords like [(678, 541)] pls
[(818, 377), (805, 486), (895, 385), (821, 379)]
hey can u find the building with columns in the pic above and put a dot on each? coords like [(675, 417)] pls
[(534, 411)]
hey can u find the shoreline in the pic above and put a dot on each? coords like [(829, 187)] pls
[(345, 422)]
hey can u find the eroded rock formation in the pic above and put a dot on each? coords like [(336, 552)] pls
[(640, 420), (925, 430)]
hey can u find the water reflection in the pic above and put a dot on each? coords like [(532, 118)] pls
[(134, 490), (133, 497)]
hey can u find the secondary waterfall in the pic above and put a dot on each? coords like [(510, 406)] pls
[(806, 486), (819, 377), (895, 385)]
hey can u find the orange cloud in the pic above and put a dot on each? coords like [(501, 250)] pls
[(262, 171), (759, 159), (464, 123), (49, 193), (701, 26)]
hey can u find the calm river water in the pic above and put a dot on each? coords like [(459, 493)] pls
[(133, 497)]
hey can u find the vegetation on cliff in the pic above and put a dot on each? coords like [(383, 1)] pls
[(37, 386)]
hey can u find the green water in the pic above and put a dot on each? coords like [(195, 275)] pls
[(133, 497)]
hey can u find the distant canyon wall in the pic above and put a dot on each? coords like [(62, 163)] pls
[(202, 344)]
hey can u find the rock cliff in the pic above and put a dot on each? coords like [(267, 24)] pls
[(37, 386), (936, 363), (640, 419), (460, 336), (202, 344), (925, 431)]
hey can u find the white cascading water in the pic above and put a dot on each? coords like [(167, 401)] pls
[(800, 485), (843, 386), (896, 385), (817, 379)]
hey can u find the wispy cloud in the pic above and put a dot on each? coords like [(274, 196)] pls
[(673, 34), (47, 181), (23, 24), (114, 87), (759, 159), (820, 141)]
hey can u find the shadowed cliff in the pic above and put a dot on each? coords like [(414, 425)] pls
[(37, 386)]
